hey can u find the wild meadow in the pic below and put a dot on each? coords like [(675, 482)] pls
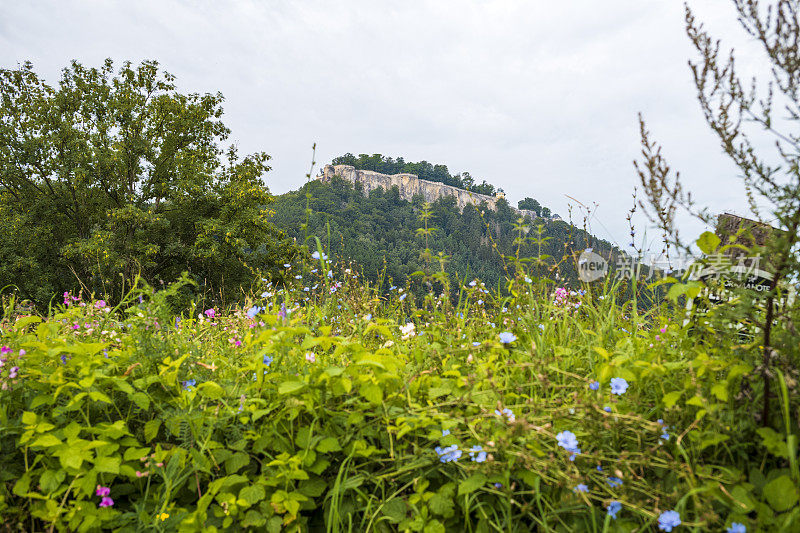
[(330, 403)]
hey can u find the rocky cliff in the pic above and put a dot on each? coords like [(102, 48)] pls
[(410, 185)]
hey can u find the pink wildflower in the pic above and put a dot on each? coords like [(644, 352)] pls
[(106, 502), (210, 313), (102, 491)]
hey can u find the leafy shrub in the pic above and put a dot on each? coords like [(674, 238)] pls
[(324, 406)]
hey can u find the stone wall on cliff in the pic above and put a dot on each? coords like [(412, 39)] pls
[(410, 185)]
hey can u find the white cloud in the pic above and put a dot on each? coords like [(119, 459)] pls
[(540, 98)]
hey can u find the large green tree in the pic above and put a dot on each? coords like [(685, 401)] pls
[(111, 174)]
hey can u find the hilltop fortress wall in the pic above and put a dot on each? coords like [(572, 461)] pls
[(410, 185)]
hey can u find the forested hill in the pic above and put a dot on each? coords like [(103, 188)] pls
[(380, 230)]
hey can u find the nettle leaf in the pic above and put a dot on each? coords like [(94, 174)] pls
[(372, 393), (395, 510), (252, 494), (441, 505), (671, 398), (781, 493), (471, 484), (254, 519), (236, 462), (210, 390), (47, 441), (151, 429), (108, 465), (141, 400), (290, 387), (773, 442), (51, 479), (328, 444), (708, 242)]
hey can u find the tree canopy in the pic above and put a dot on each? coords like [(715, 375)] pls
[(106, 175), (379, 230)]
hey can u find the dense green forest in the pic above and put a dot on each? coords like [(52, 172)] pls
[(379, 230)]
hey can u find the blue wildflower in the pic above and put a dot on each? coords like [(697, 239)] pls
[(506, 412), (476, 343), (618, 386), (594, 384), (403, 296), (614, 481), (253, 311), (507, 337), (607, 409), (188, 384), (267, 360), (477, 454), (445, 432), (316, 255), (63, 359), (613, 508), (736, 527), (498, 485), (668, 520), (448, 454), (568, 441), (581, 488)]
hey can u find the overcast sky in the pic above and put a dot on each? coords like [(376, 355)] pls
[(537, 97)]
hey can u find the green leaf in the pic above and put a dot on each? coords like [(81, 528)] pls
[(671, 398), (435, 392), (471, 484), (328, 444), (395, 510), (434, 526), (210, 390), (28, 418), (697, 401), (22, 485), (72, 457), (742, 500), (236, 462), (372, 393), (720, 390), (275, 524), (252, 494), (26, 321), (253, 519), (98, 396), (151, 429), (289, 387), (708, 242), (51, 479), (46, 441), (781, 493), (773, 442), (141, 400), (441, 505), (109, 465), (134, 454), (712, 440)]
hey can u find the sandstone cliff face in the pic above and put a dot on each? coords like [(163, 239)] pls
[(410, 185)]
